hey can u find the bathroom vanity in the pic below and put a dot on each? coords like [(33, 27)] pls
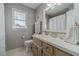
[(44, 45), (54, 41)]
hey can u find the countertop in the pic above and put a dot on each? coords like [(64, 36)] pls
[(59, 43)]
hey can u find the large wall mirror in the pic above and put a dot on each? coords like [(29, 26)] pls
[(58, 17)]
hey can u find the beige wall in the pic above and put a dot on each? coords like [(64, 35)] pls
[(13, 36), (39, 13)]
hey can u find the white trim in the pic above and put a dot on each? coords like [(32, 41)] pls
[(13, 18)]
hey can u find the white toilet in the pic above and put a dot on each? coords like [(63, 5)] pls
[(28, 44)]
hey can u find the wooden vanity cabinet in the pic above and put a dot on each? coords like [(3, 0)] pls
[(58, 52), (45, 53), (40, 48), (34, 50), (36, 47), (47, 49), (39, 51)]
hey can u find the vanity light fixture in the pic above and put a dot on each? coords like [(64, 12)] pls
[(53, 5)]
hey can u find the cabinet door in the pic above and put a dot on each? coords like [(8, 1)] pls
[(58, 52), (37, 41), (48, 48), (45, 53), (34, 50), (39, 51)]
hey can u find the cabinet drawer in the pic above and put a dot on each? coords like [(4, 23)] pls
[(37, 41), (46, 54), (58, 52), (34, 50), (39, 52), (48, 48)]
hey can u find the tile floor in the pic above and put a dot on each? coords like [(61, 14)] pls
[(21, 51)]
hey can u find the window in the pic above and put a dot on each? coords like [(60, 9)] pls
[(19, 19)]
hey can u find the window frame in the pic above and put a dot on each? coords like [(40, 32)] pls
[(14, 18)]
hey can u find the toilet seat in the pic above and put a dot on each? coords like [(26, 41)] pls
[(28, 44)]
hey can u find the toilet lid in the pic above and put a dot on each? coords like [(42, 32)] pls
[(28, 41)]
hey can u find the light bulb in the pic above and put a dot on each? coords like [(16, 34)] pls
[(53, 4)]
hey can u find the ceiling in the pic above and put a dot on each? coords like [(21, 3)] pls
[(59, 9), (31, 5)]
